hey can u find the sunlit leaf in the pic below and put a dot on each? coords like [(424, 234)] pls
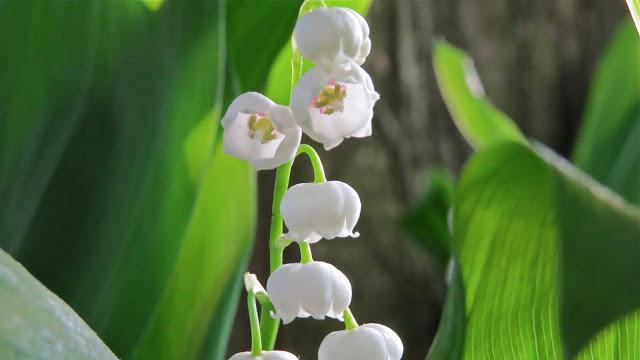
[(634, 9), (514, 210), (478, 120), (36, 324)]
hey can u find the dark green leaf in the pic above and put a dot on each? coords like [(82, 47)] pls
[(449, 341), (427, 221), (36, 324), (113, 193), (478, 120)]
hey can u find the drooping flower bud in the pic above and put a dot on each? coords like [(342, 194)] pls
[(332, 37), (266, 355), (260, 131), (316, 289), (332, 106), (366, 342), (313, 211)]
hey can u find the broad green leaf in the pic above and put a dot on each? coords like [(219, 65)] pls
[(478, 120), (608, 146), (515, 208), (36, 324), (449, 340), (106, 161), (216, 245), (279, 81), (634, 9), (427, 221)]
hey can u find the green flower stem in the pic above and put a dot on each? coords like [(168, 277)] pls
[(349, 321), (256, 340), (305, 252), (269, 325), (318, 169)]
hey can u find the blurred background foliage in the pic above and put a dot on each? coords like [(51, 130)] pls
[(116, 194)]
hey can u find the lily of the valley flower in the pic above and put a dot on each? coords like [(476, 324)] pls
[(332, 106), (333, 36), (366, 342), (260, 131), (266, 355), (316, 289), (313, 211)]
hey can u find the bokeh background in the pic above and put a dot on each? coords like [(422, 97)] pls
[(535, 60), (115, 194)]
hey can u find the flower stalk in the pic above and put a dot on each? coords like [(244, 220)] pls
[(256, 340), (349, 320)]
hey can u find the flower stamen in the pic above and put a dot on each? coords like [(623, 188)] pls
[(330, 99), (261, 128)]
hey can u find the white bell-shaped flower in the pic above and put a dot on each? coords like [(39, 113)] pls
[(366, 342), (316, 289), (313, 211), (332, 106), (260, 131), (266, 355), (333, 36)]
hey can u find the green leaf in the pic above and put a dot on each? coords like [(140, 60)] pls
[(514, 209), (115, 187), (478, 120), (608, 143), (449, 340), (36, 324), (634, 9), (427, 221)]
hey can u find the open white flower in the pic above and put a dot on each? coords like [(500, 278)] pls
[(333, 36), (266, 355), (332, 106), (366, 342), (324, 210), (316, 289), (260, 131)]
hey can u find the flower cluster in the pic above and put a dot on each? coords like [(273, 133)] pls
[(331, 102)]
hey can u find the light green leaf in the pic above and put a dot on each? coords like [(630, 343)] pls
[(36, 324), (634, 9), (608, 146), (478, 120), (514, 209)]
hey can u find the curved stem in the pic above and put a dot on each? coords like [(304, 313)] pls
[(349, 320), (305, 252), (318, 169), (256, 340)]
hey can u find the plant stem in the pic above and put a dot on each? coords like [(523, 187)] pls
[(318, 169), (268, 324), (256, 340), (349, 321), (305, 252)]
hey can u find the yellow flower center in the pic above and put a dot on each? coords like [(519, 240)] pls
[(261, 128), (330, 99)]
